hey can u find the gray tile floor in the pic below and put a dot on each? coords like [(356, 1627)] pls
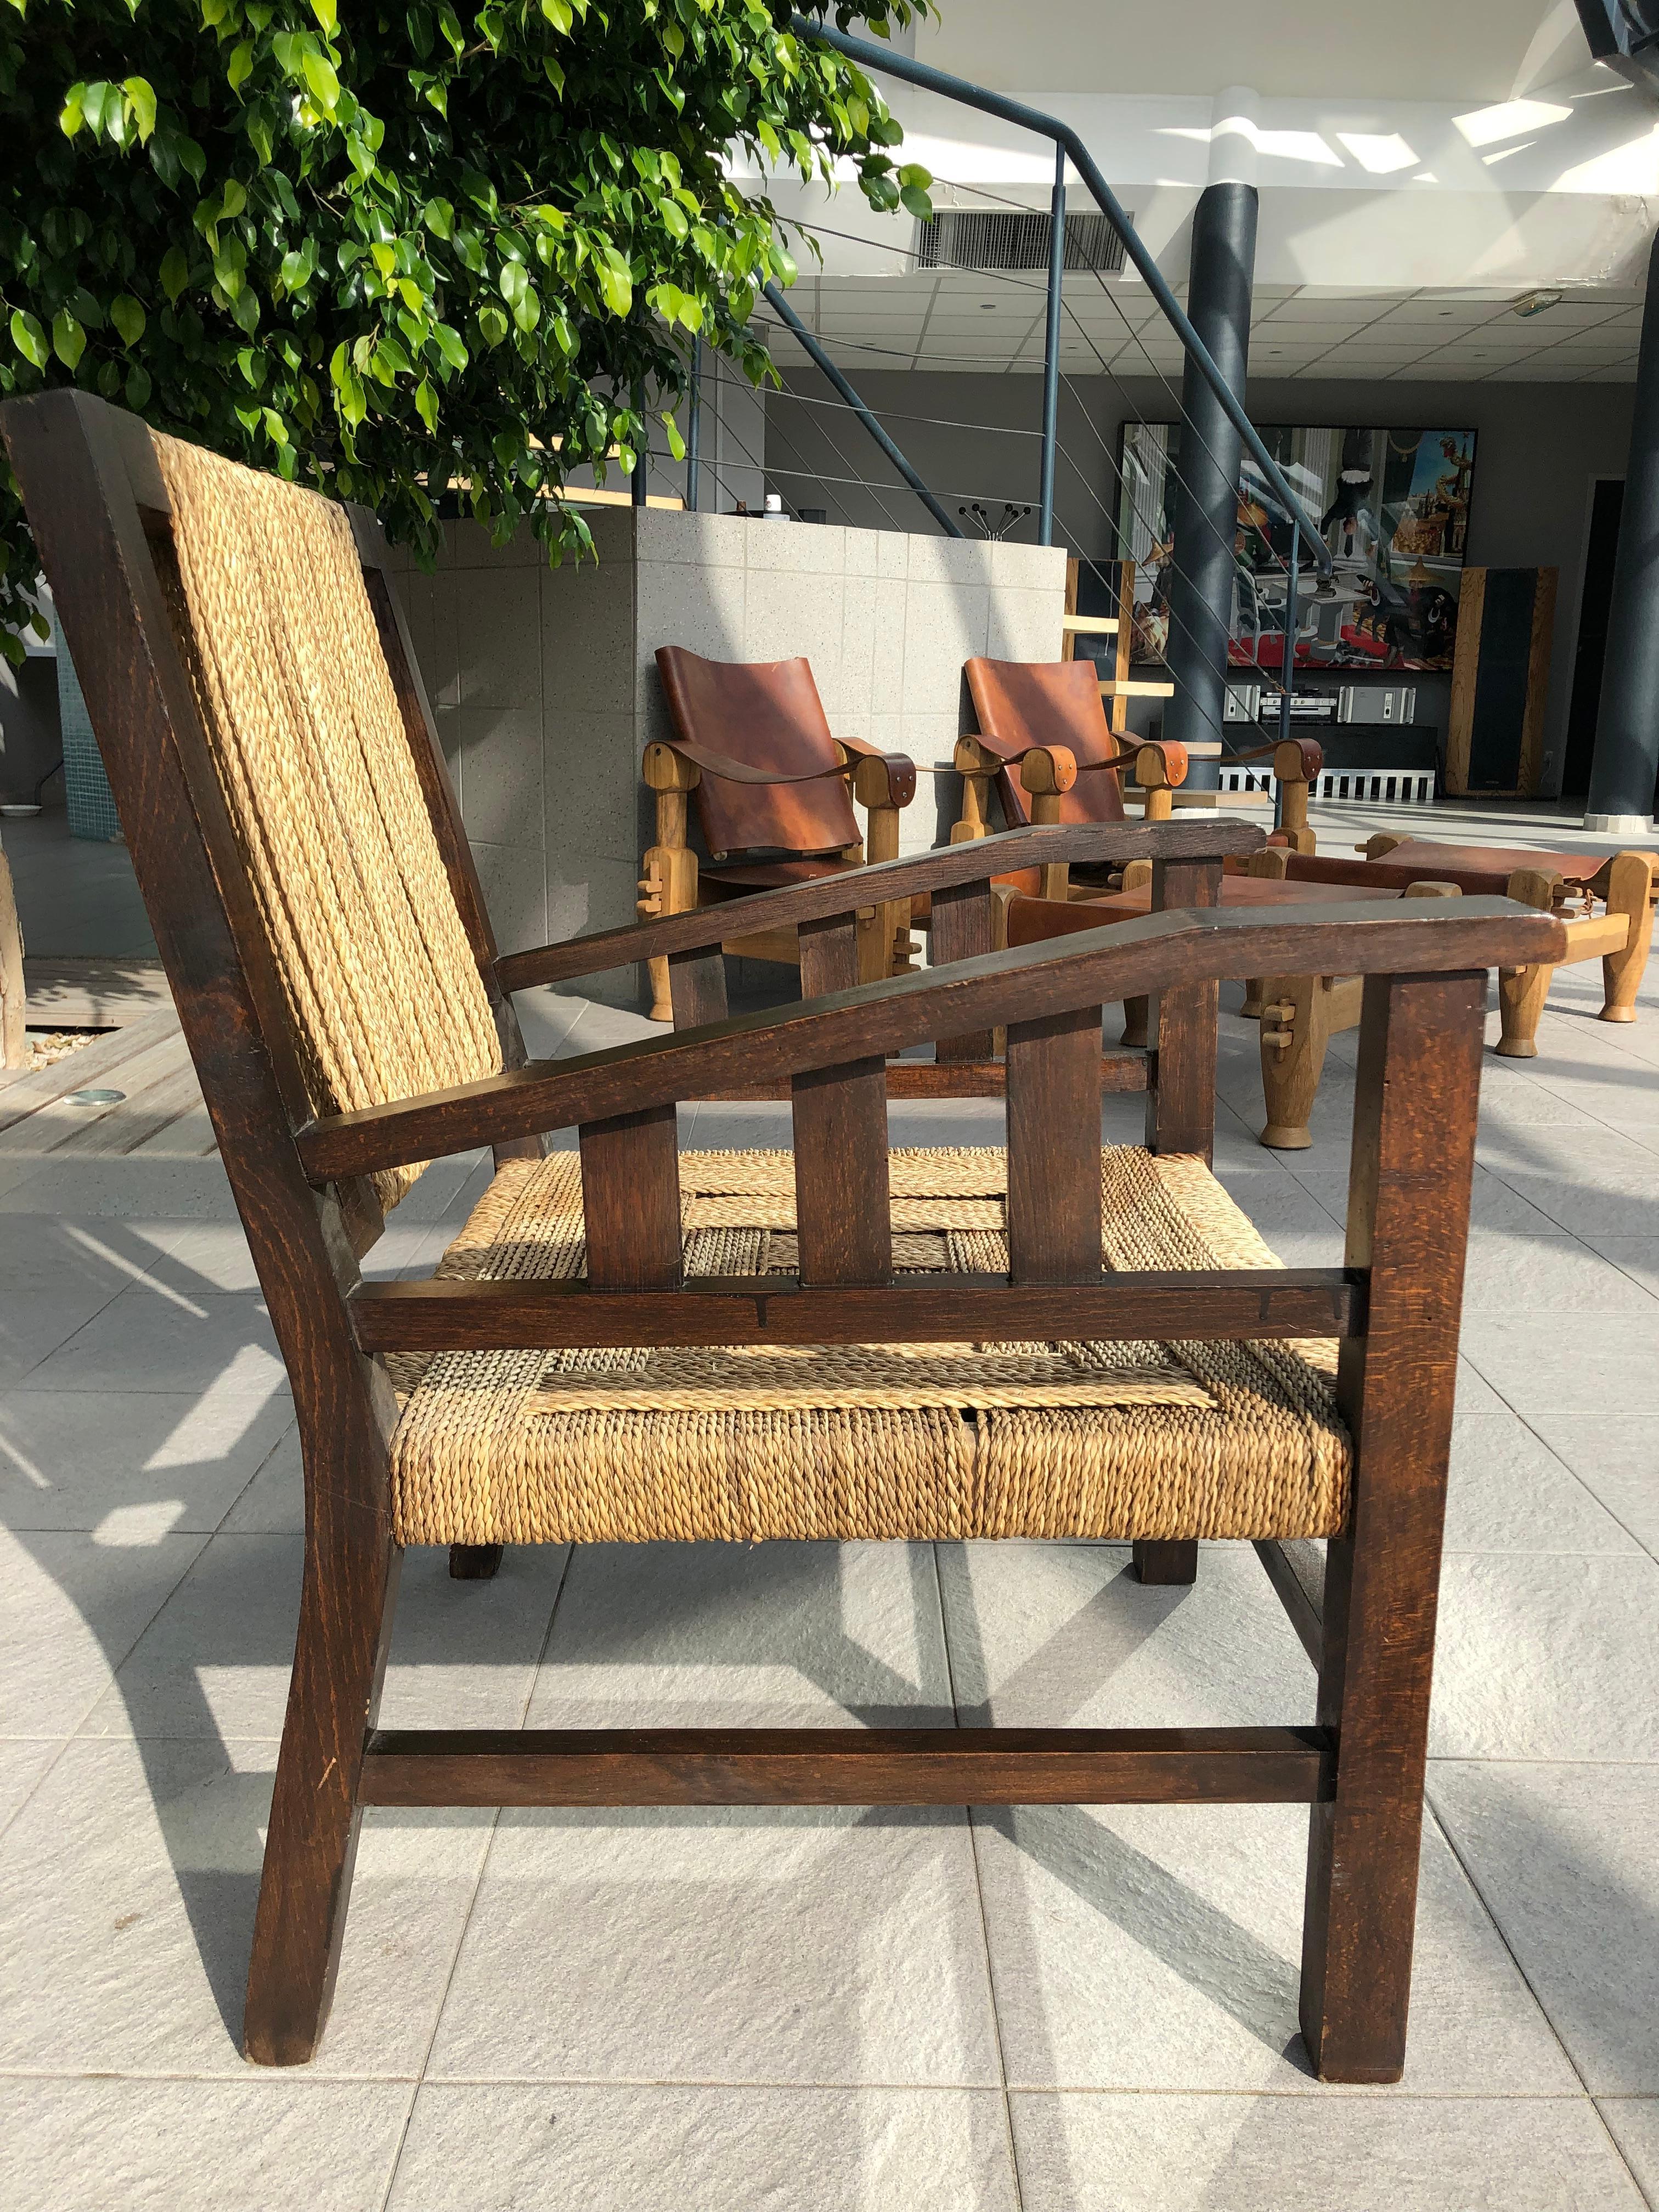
[(1061, 2010)]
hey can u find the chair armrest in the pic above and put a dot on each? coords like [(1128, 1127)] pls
[(667, 760), (880, 778), (1131, 959), (1295, 760), (1155, 764), (1091, 843)]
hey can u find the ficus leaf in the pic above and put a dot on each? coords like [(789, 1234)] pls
[(29, 338), (69, 340)]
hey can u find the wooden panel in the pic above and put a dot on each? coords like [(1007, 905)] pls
[(631, 1200), (1054, 1148), (1413, 1161), (1266, 1302), (1157, 951), (1466, 670), (827, 946), (962, 929), (1182, 1024), (697, 986), (848, 1766), (840, 1117), (1538, 681), (841, 1209), (1500, 681)]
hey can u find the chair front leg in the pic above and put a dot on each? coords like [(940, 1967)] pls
[(1408, 1206), (1522, 992), (878, 926), (977, 768), (346, 1602), (668, 876), (1272, 862), (1630, 892), (1296, 1031), (1047, 772)]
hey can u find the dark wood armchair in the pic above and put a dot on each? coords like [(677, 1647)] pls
[(774, 790), (1142, 1369)]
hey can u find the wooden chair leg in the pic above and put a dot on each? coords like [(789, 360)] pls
[(1137, 1022), (1295, 1033), (1413, 1165), (13, 1019), (1522, 992), (1630, 892), (339, 1656), (474, 1562), (668, 874), (1166, 1563)]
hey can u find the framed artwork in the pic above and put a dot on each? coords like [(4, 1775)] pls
[(1393, 508)]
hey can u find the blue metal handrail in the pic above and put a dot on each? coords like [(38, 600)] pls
[(869, 56), (780, 306)]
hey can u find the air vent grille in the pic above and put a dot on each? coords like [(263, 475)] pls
[(963, 238)]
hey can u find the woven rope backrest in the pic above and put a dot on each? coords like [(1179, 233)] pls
[(311, 749)]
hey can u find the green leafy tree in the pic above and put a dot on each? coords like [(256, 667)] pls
[(412, 251)]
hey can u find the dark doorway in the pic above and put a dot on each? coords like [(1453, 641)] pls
[(1597, 595)]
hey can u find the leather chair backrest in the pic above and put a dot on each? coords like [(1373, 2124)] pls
[(767, 714), (1021, 703)]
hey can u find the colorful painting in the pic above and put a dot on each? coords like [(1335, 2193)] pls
[(1393, 508)]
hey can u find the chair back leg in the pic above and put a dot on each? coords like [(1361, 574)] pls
[(1409, 1209)]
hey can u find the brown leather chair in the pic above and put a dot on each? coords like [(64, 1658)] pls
[(752, 745), (1028, 708)]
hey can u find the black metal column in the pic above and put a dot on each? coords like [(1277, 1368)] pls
[(1207, 510), (1626, 767)]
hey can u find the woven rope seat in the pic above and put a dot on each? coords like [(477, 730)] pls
[(746, 1443)]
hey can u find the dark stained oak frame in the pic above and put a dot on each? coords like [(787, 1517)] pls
[(99, 514)]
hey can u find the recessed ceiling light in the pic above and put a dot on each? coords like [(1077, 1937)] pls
[(1534, 303)]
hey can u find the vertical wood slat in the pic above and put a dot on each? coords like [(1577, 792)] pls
[(631, 1200), (697, 986), (1414, 1163), (1183, 1025), (1054, 1148), (843, 1217), (829, 955), (962, 930)]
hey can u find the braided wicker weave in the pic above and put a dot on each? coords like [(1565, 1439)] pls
[(745, 1442), (311, 751)]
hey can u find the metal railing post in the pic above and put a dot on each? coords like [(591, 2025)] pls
[(1051, 351), (642, 455), (780, 306), (1288, 666), (694, 427)]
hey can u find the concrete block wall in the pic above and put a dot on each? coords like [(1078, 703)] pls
[(545, 691)]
